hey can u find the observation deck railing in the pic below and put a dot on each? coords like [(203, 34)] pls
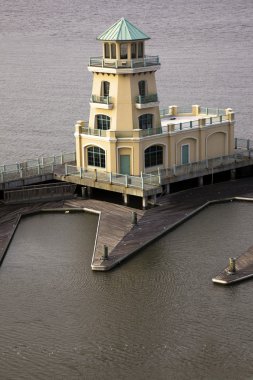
[(124, 63)]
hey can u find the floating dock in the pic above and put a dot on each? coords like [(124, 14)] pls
[(243, 270)]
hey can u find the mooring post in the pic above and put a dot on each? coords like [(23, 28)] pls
[(105, 255), (134, 217), (231, 267)]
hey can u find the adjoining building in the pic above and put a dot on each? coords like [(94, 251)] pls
[(127, 133)]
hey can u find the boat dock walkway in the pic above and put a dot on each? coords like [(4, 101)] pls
[(115, 229), (243, 270)]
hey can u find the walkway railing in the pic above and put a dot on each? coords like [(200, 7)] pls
[(34, 167), (59, 191), (145, 181)]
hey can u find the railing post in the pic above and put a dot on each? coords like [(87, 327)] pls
[(81, 172), (95, 175), (61, 158), (126, 180), (236, 143), (110, 177), (248, 144), (38, 169), (174, 170), (66, 169)]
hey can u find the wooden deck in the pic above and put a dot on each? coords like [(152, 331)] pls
[(115, 228), (244, 270)]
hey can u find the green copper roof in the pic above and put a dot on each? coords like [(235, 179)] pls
[(123, 30)]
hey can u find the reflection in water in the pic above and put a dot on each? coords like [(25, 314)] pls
[(157, 316)]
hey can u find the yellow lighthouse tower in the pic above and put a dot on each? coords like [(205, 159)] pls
[(123, 104)]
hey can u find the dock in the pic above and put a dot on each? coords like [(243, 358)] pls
[(127, 239), (243, 270)]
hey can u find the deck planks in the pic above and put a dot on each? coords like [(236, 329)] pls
[(115, 228)]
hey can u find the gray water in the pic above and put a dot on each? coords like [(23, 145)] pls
[(158, 316), (205, 48)]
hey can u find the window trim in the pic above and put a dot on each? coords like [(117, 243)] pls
[(188, 154), (98, 158), (146, 125), (105, 121), (103, 84), (149, 156)]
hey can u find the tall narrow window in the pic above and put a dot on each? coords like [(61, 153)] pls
[(105, 88), (133, 50), (140, 50), (146, 121), (96, 157), (142, 87), (153, 156), (103, 122), (107, 50), (113, 51), (123, 51)]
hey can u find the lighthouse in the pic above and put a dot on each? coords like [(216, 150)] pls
[(128, 144), (123, 102)]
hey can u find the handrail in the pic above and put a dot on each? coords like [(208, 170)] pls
[(101, 99), (146, 98), (124, 63)]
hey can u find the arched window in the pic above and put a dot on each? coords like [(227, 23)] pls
[(96, 157), (107, 50), (146, 121), (105, 88), (113, 51), (142, 87), (153, 156), (103, 122)]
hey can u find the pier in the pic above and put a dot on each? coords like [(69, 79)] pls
[(128, 237), (243, 269)]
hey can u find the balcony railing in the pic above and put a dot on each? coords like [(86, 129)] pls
[(124, 63), (101, 99), (146, 99)]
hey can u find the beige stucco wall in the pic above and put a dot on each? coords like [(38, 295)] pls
[(123, 91), (207, 142)]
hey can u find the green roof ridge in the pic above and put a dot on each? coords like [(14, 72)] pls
[(122, 30)]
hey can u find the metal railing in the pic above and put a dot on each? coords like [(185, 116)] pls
[(146, 99), (144, 182), (93, 131), (60, 191), (124, 63), (101, 99), (34, 167)]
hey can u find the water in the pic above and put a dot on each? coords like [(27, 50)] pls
[(206, 51), (158, 316)]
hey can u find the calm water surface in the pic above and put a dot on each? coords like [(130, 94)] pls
[(158, 316), (205, 48)]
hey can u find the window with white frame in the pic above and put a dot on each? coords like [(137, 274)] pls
[(103, 122), (96, 157)]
